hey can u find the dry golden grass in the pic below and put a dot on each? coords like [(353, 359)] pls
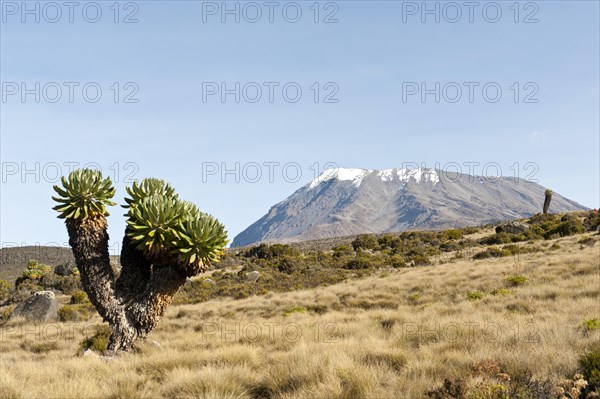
[(396, 335)]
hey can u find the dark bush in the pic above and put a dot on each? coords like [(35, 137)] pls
[(289, 265), (361, 261), (590, 365), (592, 221), (502, 238), (492, 253), (524, 385), (98, 341), (268, 251), (420, 260), (341, 251), (515, 281), (566, 228), (450, 246), (78, 297), (470, 230), (452, 234), (452, 388), (365, 241), (67, 284), (389, 241)]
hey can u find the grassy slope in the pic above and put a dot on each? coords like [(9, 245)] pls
[(395, 334)]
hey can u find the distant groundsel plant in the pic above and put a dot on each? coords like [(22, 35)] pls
[(166, 241)]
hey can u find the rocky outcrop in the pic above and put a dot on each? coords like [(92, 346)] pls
[(40, 307)]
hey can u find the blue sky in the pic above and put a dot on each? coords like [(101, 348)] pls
[(545, 123)]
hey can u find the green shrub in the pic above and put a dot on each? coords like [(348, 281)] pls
[(592, 221), (591, 324), (68, 284), (296, 309), (289, 265), (78, 297), (420, 260), (470, 230), (361, 261), (492, 253), (389, 241), (397, 261), (5, 313), (79, 312), (519, 249), (475, 295), (450, 246), (5, 289), (453, 234), (341, 251), (365, 241), (590, 365), (98, 341), (568, 227), (517, 280), (267, 251)]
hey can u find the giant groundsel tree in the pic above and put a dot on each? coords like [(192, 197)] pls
[(547, 199), (166, 241)]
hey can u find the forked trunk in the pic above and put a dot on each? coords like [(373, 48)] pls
[(133, 304)]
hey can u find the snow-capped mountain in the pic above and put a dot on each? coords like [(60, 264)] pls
[(352, 201)]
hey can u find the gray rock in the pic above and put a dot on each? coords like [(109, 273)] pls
[(512, 228), (40, 307), (65, 269), (253, 276)]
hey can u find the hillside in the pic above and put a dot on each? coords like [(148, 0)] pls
[(344, 202), (521, 322), (14, 259)]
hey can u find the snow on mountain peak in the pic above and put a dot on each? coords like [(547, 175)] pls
[(421, 175), (356, 176), (352, 174)]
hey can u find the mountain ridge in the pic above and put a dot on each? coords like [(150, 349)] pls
[(348, 201)]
